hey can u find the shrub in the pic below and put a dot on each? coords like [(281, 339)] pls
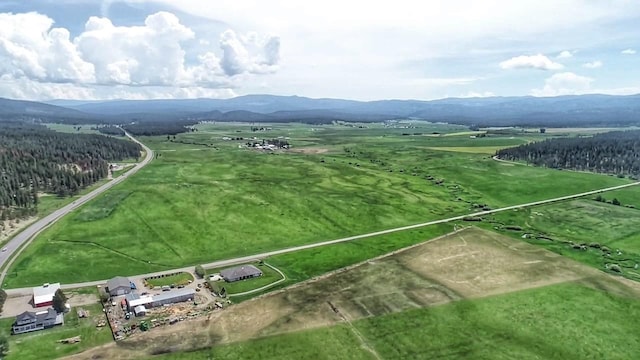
[(59, 301), (200, 271), (615, 267)]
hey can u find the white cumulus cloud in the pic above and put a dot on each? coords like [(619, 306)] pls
[(565, 83), (593, 64), (539, 61), (137, 55), (248, 54), (30, 47), (628, 52), (152, 54), (565, 54)]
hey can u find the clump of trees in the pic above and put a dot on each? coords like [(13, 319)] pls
[(110, 130), (616, 152), (615, 201), (35, 159), (59, 301)]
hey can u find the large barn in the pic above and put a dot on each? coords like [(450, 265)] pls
[(43, 295), (240, 273), (169, 297)]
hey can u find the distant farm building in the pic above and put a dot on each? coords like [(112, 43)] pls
[(240, 273), (119, 285), (43, 295), (137, 303), (171, 297), (33, 321)]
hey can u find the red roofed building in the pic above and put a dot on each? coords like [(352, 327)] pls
[(43, 295)]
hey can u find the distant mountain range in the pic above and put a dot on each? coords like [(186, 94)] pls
[(583, 110)]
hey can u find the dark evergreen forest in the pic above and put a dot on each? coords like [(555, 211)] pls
[(616, 152), (36, 159)]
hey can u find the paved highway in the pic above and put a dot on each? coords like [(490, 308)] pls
[(15, 245), (245, 259)]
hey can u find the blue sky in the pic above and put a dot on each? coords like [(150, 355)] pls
[(74, 49)]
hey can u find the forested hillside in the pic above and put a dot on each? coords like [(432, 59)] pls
[(36, 159), (616, 152)]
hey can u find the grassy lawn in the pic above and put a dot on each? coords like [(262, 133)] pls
[(566, 321), (532, 324), (182, 278), (84, 129), (44, 344), (205, 199)]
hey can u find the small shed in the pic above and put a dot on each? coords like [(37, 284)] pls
[(240, 273), (140, 310)]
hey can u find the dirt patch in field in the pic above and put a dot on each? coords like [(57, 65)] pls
[(310, 150), (467, 264), (476, 263)]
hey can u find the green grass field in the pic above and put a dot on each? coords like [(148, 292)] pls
[(205, 199), (566, 321), (84, 129), (44, 344), (337, 342), (583, 221)]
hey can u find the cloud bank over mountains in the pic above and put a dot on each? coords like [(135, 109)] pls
[(357, 49), (33, 52)]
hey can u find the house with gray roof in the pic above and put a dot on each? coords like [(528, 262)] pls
[(33, 321), (119, 285), (240, 273)]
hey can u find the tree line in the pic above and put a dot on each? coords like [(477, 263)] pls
[(35, 159), (616, 152)]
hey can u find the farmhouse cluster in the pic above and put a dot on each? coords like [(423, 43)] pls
[(44, 318), (163, 299)]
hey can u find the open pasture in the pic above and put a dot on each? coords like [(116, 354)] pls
[(204, 198), (597, 233), (407, 293)]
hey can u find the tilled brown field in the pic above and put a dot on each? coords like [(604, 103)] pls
[(466, 264)]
